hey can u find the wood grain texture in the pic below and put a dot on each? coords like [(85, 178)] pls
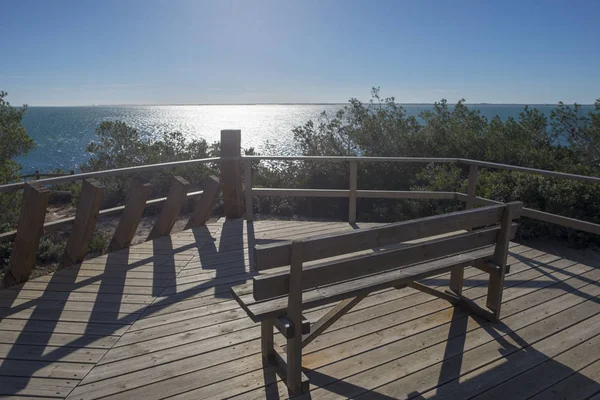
[(206, 203), (29, 232), (294, 313), (351, 267), (88, 208), (260, 310), (231, 174), (353, 188), (318, 247), (248, 189), (496, 283), (132, 215), (172, 208), (198, 344)]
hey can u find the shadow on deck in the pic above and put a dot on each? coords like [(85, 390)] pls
[(157, 320)]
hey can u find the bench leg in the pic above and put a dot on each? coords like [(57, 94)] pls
[(294, 344), (266, 335), (294, 363), (456, 279), (495, 289)]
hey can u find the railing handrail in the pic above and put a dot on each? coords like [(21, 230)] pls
[(356, 158), (11, 187), (152, 167)]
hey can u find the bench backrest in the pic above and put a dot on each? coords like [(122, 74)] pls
[(483, 225)]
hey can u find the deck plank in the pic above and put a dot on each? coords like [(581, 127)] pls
[(196, 362), (157, 320)]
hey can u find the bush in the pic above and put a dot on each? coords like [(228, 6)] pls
[(382, 128)]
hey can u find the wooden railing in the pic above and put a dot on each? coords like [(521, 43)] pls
[(237, 200), (469, 198)]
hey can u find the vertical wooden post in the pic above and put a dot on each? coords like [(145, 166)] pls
[(205, 203), (29, 232), (90, 201), (353, 188), (132, 215), (496, 282), (457, 274), (472, 188), (294, 344), (169, 213), (231, 173), (266, 337), (248, 183)]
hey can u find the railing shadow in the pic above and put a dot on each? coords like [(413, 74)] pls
[(104, 319), (229, 260)]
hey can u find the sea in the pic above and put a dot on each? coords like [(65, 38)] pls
[(61, 134)]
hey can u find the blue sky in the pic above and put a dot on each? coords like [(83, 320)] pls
[(222, 51)]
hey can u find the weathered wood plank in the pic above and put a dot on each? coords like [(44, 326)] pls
[(187, 363), (266, 340), (168, 215), (494, 300), (294, 313), (231, 173), (328, 272), (227, 371), (29, 232), (248, 190), (90, 201), (46, 369), (579, 386), (205, 204), (457, 274), (472, 186), (132, 215), (353, 187), (553, 370), (318, 247), (36, 387), (312, 298)]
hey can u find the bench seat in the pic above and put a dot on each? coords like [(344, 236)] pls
[(260, 310)]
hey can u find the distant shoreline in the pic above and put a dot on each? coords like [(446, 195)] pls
[(299, 104)]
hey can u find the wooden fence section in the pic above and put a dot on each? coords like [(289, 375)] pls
[(236, 185)]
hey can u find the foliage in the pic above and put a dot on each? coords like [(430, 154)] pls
[(122, 146), (381, 127), (14, 142), (582, 131), (13, 136)]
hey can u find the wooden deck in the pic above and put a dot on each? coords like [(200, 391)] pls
[(157, 320)]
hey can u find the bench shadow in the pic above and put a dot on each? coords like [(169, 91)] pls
[(513, 350)]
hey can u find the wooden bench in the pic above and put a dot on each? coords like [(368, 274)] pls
[(346, 267)]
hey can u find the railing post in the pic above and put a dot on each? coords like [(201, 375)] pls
[(29, 232), (248, 184), (353, 188), (231, 173), (205, 204), (457, 274), (170, 211), (132, 215), (88, 209), (472, 188)]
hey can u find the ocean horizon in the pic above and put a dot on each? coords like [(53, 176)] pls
[(61, 133)]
